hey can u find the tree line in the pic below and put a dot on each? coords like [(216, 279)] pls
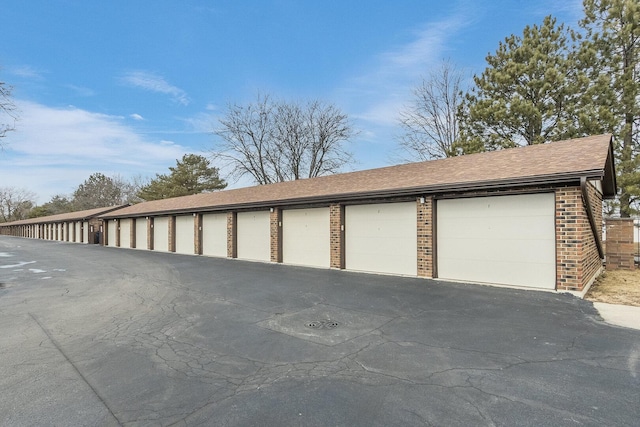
[(193, 174), (549, 83)]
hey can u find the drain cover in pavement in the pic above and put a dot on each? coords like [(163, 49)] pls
[(322, 324), (325, 330)]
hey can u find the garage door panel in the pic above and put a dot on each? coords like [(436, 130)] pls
[(185, 235), (111, 233), (306, 237), (482, 226), (498, 206), (254, 236), (512, 251), (502, 272), (125, 233), (141, 233), (161, 234), (498, 239), (214, 235), (382, 238)]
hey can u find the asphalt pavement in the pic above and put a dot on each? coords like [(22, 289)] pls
[(105, 336)]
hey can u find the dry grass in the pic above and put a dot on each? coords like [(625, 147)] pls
[(617, 287)]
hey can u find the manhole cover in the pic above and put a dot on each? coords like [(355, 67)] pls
[(322, 324)]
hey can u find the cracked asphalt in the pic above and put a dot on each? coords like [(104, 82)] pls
[(107, 337)]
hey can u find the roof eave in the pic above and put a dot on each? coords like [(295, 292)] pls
[(490, 185)]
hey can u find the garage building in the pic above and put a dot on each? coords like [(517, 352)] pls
[(77, 227), (528, 216)]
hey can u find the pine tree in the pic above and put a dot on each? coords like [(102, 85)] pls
[(97, 191), (612, 47), (191, 175), (526, 93)]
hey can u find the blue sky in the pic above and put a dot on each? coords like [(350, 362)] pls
[(127, 87)]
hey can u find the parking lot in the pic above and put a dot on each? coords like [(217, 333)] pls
[(103, 336)]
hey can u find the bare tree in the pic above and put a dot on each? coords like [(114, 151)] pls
[(15, 203), (7, 108), (430, 121), (129, 189), (275, 141)]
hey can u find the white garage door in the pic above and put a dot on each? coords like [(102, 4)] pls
[(141, 233), (306, 237), (111, 232), (161, 234), (125, 233), (254, 236), (214, 234), (85, 232), (382, 238), (501, 239), (185, 235)]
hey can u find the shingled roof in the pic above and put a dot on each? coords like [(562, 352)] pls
[(560, 162), (65, 217)]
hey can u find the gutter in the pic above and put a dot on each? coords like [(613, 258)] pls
[(592, 220)]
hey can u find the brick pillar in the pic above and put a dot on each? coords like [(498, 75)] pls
[(150, 233), (117, 224), (172, 234), (571, 220), (197, 234), (336, 234), (232, 234), (425, 237), (275, 224), (105, 232), (132, 232), (620, 248)]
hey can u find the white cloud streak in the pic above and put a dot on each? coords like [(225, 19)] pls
[(384, 90), (155, 83), (54, 150), (81, 91), (27, 72)]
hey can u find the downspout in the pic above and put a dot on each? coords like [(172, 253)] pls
[(592, 219)]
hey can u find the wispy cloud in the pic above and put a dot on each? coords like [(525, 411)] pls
[(384, 89), (155, 83), (27, 72), (55, 149), (81, 91), (137, 117)]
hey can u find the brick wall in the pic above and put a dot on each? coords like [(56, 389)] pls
[(275, 225), (96, 223), (591, 261), (620, 248), (132, 232), (172, 233), (578, 261), (336, 236), (232, 241), (425, 237), (197, 234), (150, 242)]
